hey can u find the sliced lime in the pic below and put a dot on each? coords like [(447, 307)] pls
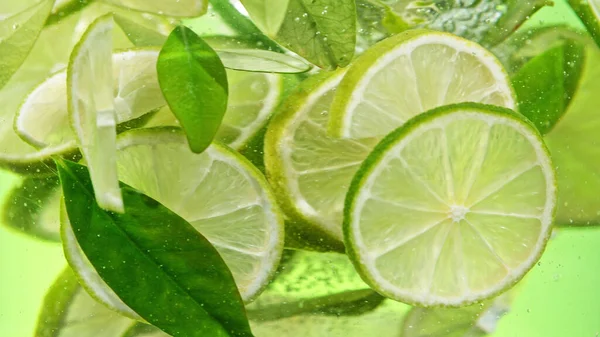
[(453, 207), (68, 311), (43, 119), (218, 192), (309, 170), (92, 109), (410, 73), (253, 98)]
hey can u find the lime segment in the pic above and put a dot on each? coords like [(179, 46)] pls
[(410, 73), (451, 208)]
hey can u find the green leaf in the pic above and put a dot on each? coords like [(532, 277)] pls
[(540, 87), (257, 60), (32, 208), (516, 13), (268, 15), (138, 34), (18, 34), (321, 31), (194, 83), (178, 8), (179, 282)]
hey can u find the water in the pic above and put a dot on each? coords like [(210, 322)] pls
[(557, 298)]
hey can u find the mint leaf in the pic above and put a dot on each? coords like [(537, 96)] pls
[(138, 34), (179, 8), (194, 83), (18, 34), (268, 15), (180, 283), (321, 31), (257, 60)]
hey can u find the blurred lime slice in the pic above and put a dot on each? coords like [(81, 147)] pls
[(410, 73), (452, 208), (181, 8), (218, 192), (476, 320), (252, 99), (68, 311), (43, 120)]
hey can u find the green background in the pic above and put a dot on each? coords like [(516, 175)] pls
[(560, 297)]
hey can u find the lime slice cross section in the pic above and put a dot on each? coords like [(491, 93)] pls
[(410, 73), (453, 207)]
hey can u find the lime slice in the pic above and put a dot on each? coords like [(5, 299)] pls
[(252, 99), (92, 109), (43, 120), (32, 207), (589, 13), (453, 207), (218, 192), (413, 72), (309, 170), (68, 311)]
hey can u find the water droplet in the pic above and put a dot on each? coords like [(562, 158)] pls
[(297, 19)]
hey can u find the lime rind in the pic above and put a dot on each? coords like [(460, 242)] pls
[(376, 59), (364, 178)]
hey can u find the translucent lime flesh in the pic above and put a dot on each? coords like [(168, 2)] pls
[(454, 207)]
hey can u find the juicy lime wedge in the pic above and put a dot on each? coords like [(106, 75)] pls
[(252, 99), (410, 73), (92, 109), (68, 311), (309, 170), (43, 120), (453, 207), (218, 192)]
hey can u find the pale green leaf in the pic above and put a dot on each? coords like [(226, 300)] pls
[(268, 15), (18, 34), (257, 60)]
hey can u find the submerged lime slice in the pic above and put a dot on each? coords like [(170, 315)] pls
[(218, 192), (410, 73), (453, 207), (309, 170), (68, 311)]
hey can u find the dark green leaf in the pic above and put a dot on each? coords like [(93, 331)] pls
[(18, 34), (257, 60), (194, 83), (321, 31), (540, 87), (32, 208), (138, 34), (155, 261), (584, 10), (546, 84)]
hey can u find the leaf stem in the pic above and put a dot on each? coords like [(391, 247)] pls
[(242, 24)]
